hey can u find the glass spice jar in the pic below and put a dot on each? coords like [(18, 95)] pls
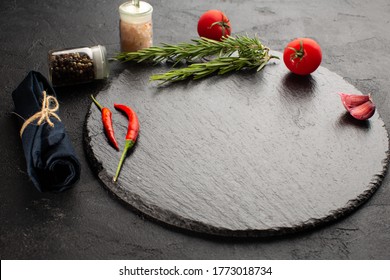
[(135, 25), (78, 65)]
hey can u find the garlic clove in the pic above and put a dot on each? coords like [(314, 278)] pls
[(352, 100), (363, 111)]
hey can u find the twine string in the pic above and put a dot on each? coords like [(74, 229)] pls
[(49, 107)]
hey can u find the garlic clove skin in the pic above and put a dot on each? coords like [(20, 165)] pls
[(363, 111), (353, 100)]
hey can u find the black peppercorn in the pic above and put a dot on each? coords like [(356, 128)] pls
[(75, 66)]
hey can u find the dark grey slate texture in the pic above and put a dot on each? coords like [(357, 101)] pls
[(249, 154), (89, 223)]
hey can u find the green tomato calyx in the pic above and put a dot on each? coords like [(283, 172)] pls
[(224, 25), (297, 53)]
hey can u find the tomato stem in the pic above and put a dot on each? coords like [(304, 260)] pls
[(223, 23), (298, 53)]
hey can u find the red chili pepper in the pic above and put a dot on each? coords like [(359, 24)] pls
[(107, 123), (132, 133)]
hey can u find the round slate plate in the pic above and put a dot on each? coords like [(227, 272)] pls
[(247, 154)]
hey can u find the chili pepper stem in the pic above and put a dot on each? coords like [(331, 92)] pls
[(128, 144), (97, 103)]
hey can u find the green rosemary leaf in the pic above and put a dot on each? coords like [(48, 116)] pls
[(230, 54), (220, 65), (200, 48)]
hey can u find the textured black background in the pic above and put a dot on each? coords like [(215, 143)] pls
[(87, 222)]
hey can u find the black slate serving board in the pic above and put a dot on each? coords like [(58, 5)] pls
[(247, 154)]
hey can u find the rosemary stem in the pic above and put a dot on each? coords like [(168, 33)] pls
[(230, 54)]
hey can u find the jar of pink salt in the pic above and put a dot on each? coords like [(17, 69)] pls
[(135, 25)]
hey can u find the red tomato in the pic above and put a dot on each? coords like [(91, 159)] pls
[(302, 56), (214, 25)]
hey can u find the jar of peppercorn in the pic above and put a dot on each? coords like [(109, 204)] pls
[(78, 65)]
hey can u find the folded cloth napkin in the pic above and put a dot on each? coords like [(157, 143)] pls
[(51, 160)]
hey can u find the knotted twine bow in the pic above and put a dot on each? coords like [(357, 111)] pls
[(45, 114)]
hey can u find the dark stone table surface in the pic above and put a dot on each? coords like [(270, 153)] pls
[(88, 222)]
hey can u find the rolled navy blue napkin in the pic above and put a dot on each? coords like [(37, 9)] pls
[(52, 164)]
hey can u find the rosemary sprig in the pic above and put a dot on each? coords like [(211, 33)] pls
[(220, 65), (232, 54), (199, 49)]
